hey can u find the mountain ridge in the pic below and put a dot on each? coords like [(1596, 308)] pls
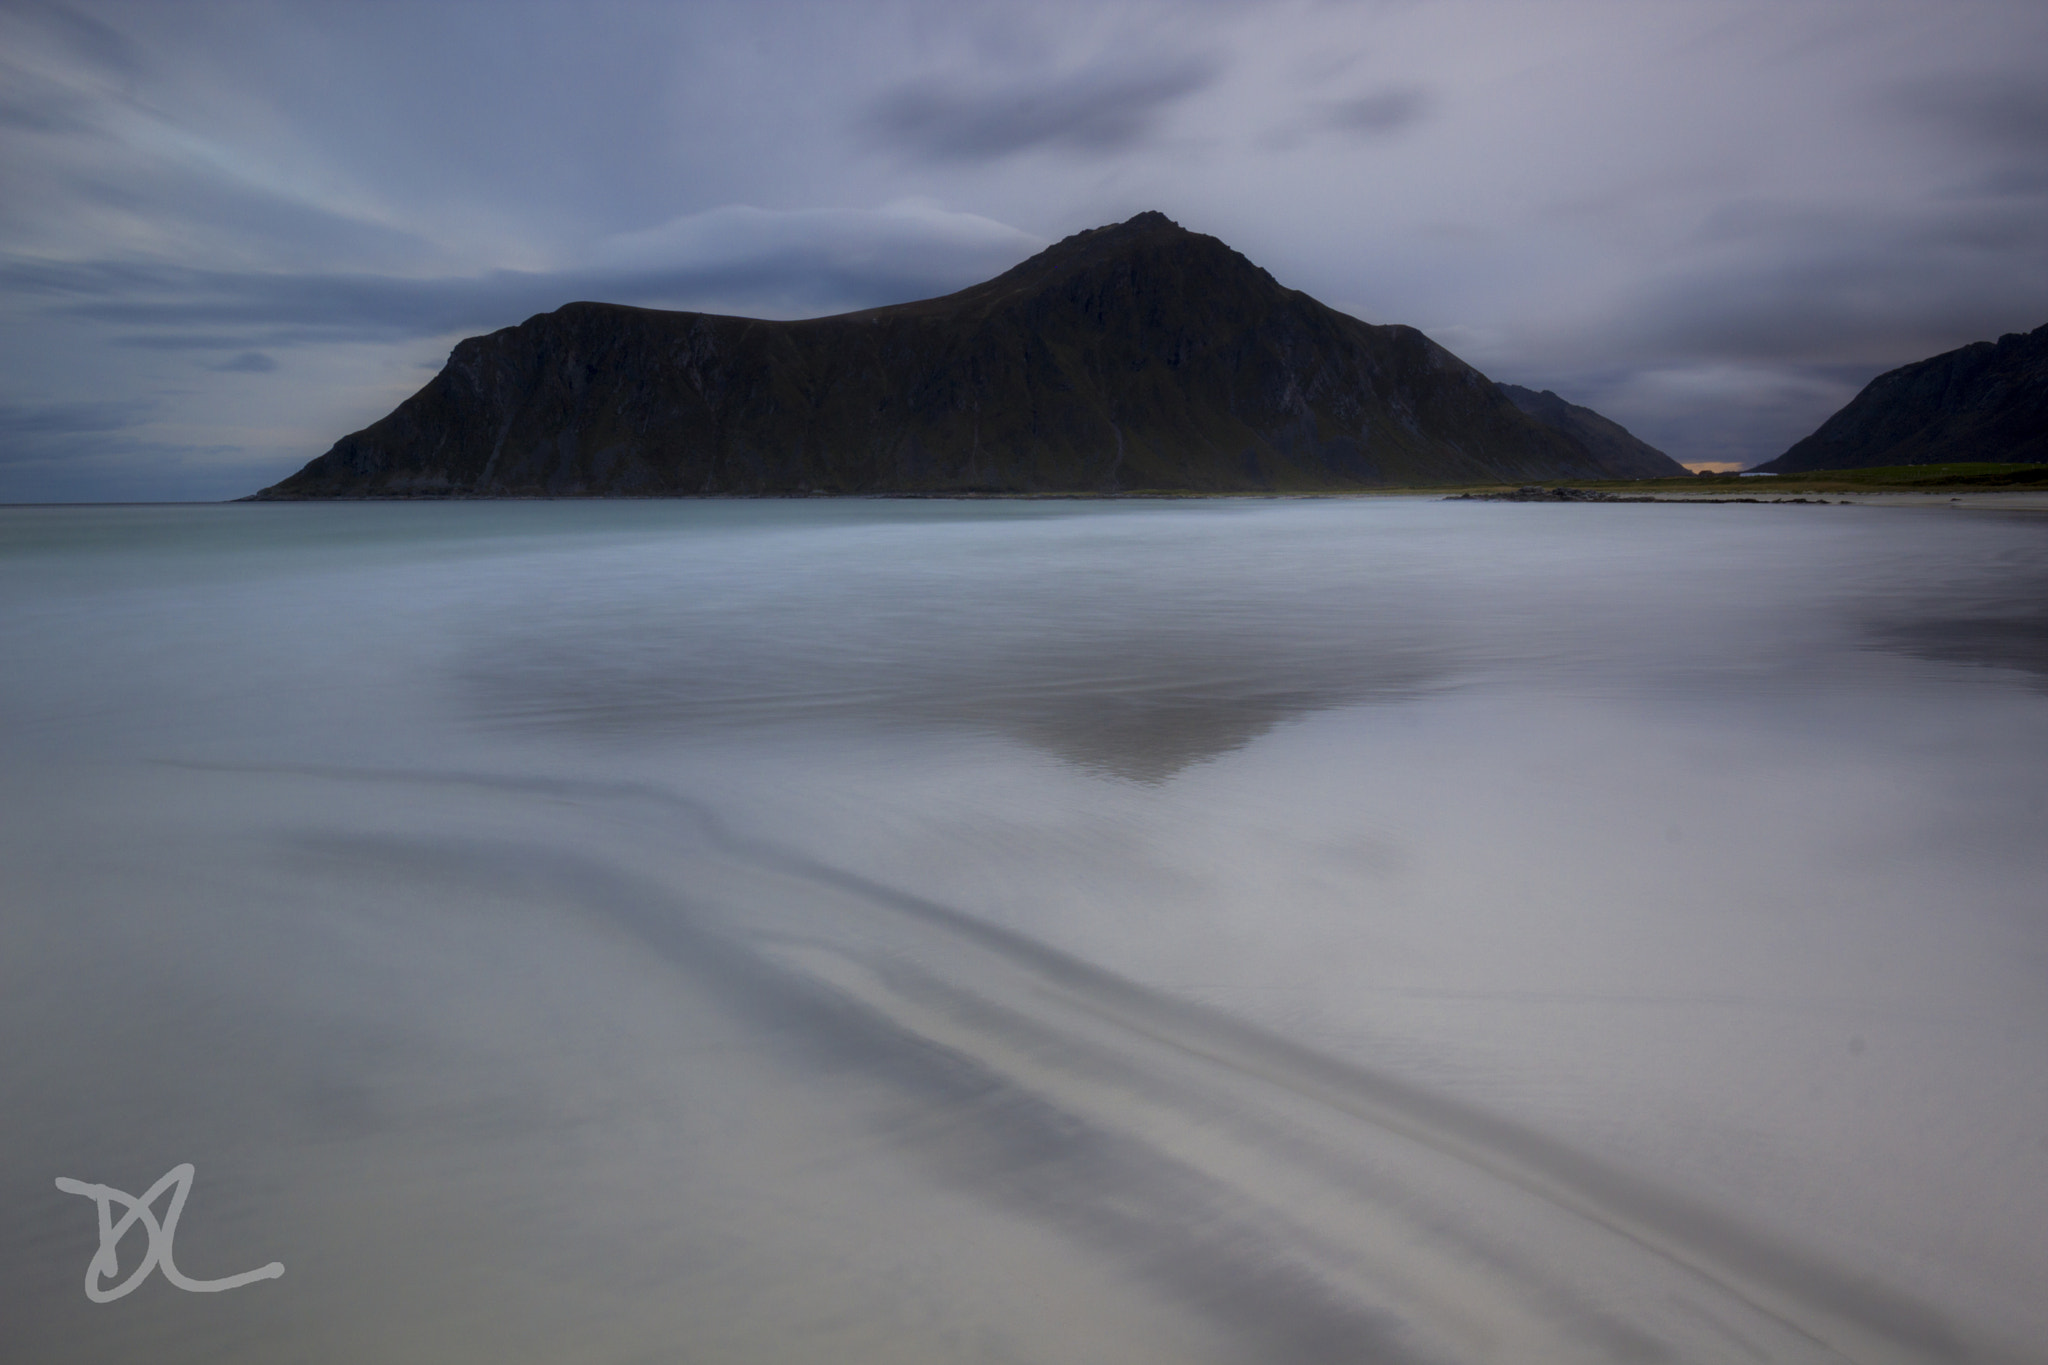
[(1985, 402), (1618, 448), (1135, 357)]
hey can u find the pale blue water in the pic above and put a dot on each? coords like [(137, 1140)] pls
[(1288, 930)]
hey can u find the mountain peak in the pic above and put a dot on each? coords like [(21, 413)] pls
[(1150, 226), (1149, 243), (1143, 224), (1134, 356)]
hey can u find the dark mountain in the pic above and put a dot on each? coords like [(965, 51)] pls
[(1610, 442), (1987, 401), (1133, 357)]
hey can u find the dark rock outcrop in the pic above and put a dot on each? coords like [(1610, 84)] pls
[(1609, 441), (1139, 356), (1537, 494), (1987, 401)]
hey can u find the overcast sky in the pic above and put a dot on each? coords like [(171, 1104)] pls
[(231, 233)]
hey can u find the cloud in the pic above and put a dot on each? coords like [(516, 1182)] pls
[(2002, 109), (48, 435), (1996, 125), (910, 226), (1377, 114), (21, 423), (248, 362), (1821, 286), (39, 116), (89, 451), (1104, 107), (126, 468), (96, 44), (271, 338), (754, 261), (905, 250), (282, 305)]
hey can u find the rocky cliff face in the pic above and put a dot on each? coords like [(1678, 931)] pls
[(1134, 357), (1985, 401), (1608, 441)]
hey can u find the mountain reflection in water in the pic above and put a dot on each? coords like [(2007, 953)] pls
[(1279, 931), (1135, 669)]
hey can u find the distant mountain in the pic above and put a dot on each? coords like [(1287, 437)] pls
[(1138, 356), (1608, 440), (1986, 401)]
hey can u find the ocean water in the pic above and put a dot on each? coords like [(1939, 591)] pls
[(1271, 931)]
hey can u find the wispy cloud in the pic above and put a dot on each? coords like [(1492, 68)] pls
[(24, 423), (248, 362), (1787, 282), (1997, 120), (1102, 108), (60, 450), (2004, 108), (1376, 114), (740, 259)]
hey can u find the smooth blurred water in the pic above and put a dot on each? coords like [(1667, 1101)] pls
[(1286, 930)]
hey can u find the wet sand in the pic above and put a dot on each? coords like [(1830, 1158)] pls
[(1304, 931)]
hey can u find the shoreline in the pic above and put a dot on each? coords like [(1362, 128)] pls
[(2011, 500), (2007, 499)]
